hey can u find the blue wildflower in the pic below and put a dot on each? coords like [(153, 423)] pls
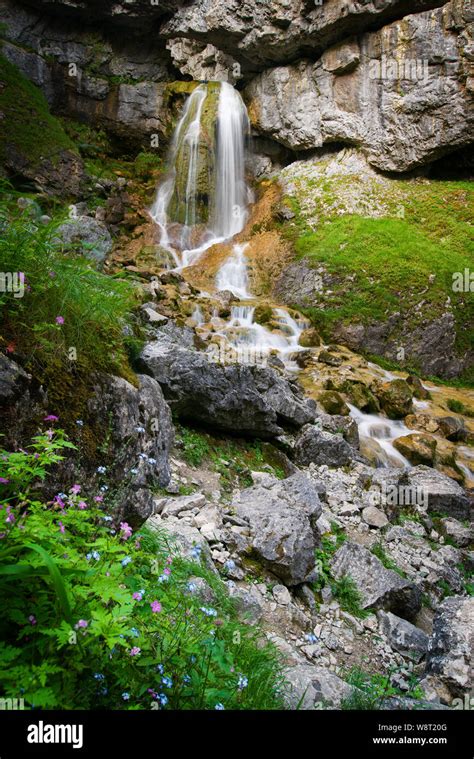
[(242, 682), (167, 682), (101, 469), (125, 561), (125, 696), (219, 707)]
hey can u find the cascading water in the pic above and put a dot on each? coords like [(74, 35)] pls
[(232, 276), (204, 199)]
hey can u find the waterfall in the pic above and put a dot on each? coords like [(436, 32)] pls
[(204, 198), (233, 276)]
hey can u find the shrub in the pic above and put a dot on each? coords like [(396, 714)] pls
[(95, 617), (66, 304)]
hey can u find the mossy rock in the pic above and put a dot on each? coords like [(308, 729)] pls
[(395, 398), (310, 338), (333, 403), (360, 395), (418, 449), (263, 314), (34, 145)]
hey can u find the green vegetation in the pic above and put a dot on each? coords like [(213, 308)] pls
[(27, 126), (70, 314), (233, 459), (97, 616), (379, 551), (370, 690), (380, 266), (343, 589)]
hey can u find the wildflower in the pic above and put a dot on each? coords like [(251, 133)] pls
[(160, 668), (191, 587), (79, 423), (208, 611), (98, 498), (137, 596), (135, 632), (82, 623), (101, 469), (219, 707), (60, 320), (99, 676), (139, 429), (51, 418), (49, 434), (163, 578), (96, 555), (75, 489), (155, 606), (186, 679), (59, 501), (167, 682), (242, 682), (151, 460), (167, 571), (104, 488), (125, 561), (196, 552), (135, 651), (169, 559), (32, 619), (10, 518), (52, 274), (82, 505), (4, 481), (126, 530), (125, 696), (103, 691), (62, 528), (162, 699), (134, 471), (107, 519)]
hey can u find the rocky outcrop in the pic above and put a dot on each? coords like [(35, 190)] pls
[(282, 516), (451, 645), (316, 446), (403, 636), (380, 588), (402, 93), (247, 399)]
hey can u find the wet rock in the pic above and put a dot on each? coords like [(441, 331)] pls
[(380, 588), (403, 636), (249, 399), (325, 357), (345, 425), (453, 428), (315, 446), (282, 520), (418, 389), (451, 645), (333, 403), (310, 338), (360, 395), (395, 398), (417, 448)]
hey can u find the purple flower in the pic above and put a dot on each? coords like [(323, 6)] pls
[(4, 481), (75, 489), (62, 528), (126, 530), (82, 623), (51, 418), (135, 651), (60, 320), (32, 619), (82, 505), (137, 596), (155, 606)]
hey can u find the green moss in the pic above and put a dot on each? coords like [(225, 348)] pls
[(27, 126)]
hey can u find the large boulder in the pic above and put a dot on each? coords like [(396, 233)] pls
[(13, 380), (139, 437), (312, 687), (404, 637), (451, 645), (441, 493), (85, 236), (395, 398), (250, 400), (380, 588), (316, 446), (282, 516)]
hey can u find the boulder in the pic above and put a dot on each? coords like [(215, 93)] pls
[(310, 338), (282, 518), (345, 425), (395, 398), (380, 588), (313, 445), (140, 436), (451, 645), (183, 540), (441, 493), (86, 236), (251, 400), (13, 380), (460, 535), (417, 448), (248, 602), (453, 428), (333, 403), (315, 688), (404, 637), (374, 517)]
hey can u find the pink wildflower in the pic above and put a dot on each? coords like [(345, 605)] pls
[(75, 489), (155, 606), (126, 530), (60, 320), (135, 651)]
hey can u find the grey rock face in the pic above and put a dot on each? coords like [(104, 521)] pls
[(184, 540), (140, 436), (248, 602), (87, 236), (460, 535), (451, 645), (403, 636), (380, 588), (345, 425), (248, 399), (384, 102), (13, 380), (442, 494), (315, 688), (313, 445), (282, 519)]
